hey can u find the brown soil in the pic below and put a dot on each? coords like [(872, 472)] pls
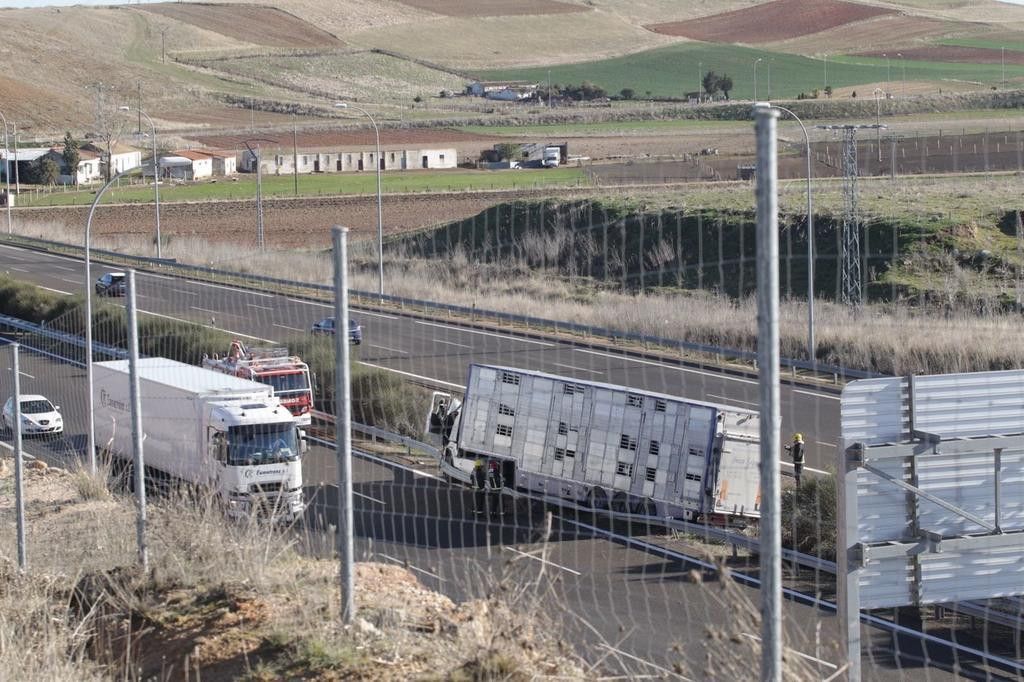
[(778, 20), (311, 139), (251, 24), (493, 8), (952, 53)]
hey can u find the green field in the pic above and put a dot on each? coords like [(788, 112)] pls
[(244, 187), (1016, 45), (674, 71), (606, 128)]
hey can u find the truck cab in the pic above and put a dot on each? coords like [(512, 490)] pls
[(552, 157)]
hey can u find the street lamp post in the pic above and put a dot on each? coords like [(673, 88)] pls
[(91, 436), (825, 83), (755, 77), (768, 66), (380, 212), (887, 75), (7, 174), (1002, 67), (878, 124), (903, 66), (811, 347), (700, 81), (156, 179)]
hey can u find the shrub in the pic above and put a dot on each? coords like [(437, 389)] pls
[(809, 517)]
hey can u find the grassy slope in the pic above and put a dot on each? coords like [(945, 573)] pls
[(672, 71)]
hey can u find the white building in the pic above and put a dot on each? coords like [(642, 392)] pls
[(186, 165), (282, 161), (122, 157)]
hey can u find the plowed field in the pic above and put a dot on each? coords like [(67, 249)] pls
[(952, 53), (249, 23), (778, 20), (493, 8)]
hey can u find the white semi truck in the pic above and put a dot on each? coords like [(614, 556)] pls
[(551, 157), (208, 429), (602, 446)]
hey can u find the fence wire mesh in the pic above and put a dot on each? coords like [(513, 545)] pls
[(576, 521)]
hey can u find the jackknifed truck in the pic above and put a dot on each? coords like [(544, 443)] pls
[(601, 446), (206, 429)]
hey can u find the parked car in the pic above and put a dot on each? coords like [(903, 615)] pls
[(326, 326), (38, 416), (111, 284)]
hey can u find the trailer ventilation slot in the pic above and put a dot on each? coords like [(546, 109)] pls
[(253, 406), (627, 442), (572, 389), (563, 429), (655, 448), (660, 405), (634, 400), (624, 469), (506, 410), (510, 378), (650, 474), (694, 477), (503, 430)]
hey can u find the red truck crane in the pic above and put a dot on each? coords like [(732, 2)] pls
[(287, 374)]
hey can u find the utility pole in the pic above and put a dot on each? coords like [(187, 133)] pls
[(700, 80), (138, 108), (17, 178), (295, 157)]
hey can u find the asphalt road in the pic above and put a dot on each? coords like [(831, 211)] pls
[(640, 603)]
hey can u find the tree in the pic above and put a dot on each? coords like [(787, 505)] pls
[(46, 171), (725, 84), (710, 83), (507, 150), (417, 99), (828, 91), (627, 93), (110, 125), (70, 156)]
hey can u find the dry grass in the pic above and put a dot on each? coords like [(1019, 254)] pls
[(224, 600)]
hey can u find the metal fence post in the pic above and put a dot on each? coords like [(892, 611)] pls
[(19, 489), (765, 122), (343, 423), (136, 407)]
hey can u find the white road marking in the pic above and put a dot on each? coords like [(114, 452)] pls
[(70, 281), (220, 329), (64, 267), (410, 374), (264, 307), (26, 374), (475, 331), (817, 395), (580, 369), (543, 561), (423, 474), (410, 566), (319, 305), (827, 445), (14, 248), (367, 312), (207, 310), (150, 274), (393, 350), (231, 289), (665, 366), (15, 267), (284, 326), (734, 400), (806, 468), (185, 291), (371, 499), (801, 655), (56, 291), (452, 343)]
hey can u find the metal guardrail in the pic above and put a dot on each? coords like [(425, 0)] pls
[(8, 323), (472, 312)]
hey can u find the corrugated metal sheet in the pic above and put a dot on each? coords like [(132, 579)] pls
[(955, 407)]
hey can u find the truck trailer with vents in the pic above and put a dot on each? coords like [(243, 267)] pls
[(602, 446)]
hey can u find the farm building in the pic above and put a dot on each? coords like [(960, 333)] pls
[(283, 161), (122, 157), (491, 89), (186, 165), (224, 163), (89, 169)]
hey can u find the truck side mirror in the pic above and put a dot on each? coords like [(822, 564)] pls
[(303, 443)]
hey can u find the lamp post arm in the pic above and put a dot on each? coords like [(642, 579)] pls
[(91, 436), (811, 346), (156, 184), (7, 174)]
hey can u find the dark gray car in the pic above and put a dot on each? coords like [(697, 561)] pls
[(326, 326), (111, 284)]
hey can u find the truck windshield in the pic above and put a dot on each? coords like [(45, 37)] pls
[(286, 383), (262, 444)]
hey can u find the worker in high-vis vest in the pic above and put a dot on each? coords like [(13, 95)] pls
[(796, 451)]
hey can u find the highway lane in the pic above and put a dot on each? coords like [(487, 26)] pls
[(441, 351), (641, 603)]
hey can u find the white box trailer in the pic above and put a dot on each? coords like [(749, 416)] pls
[(602, 445), (205, 428)]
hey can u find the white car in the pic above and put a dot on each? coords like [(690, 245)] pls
[(38, 416)]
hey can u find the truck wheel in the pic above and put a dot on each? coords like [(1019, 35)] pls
[(620, 503), (645, 507), (597, 498)]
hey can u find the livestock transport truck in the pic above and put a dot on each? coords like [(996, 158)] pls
[(602, 446), (207, 429)]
